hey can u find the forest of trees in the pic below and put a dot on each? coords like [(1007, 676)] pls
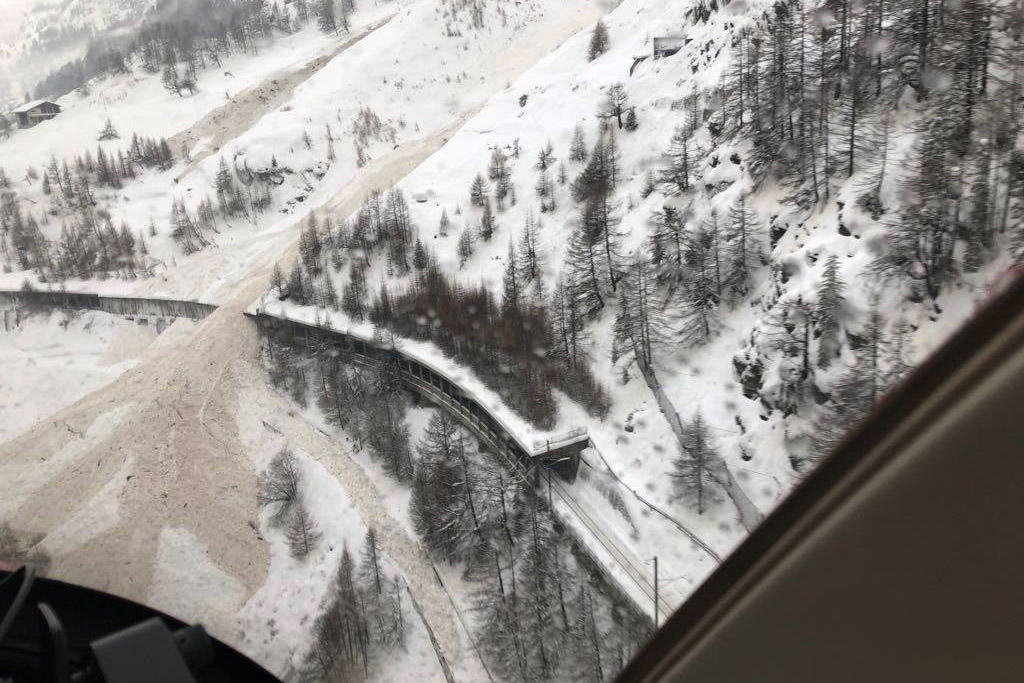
[(365, 402), (362, 615), (81, 193), (817, 94), (543, 613), (362, 619), (505, 344), (89, 245), (817, 90), (522, 347), (181, 38), (542, 610)]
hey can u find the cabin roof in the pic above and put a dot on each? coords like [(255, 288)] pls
[(29, 106)]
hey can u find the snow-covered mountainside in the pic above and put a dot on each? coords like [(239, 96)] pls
[(46, 33), (712, 235)]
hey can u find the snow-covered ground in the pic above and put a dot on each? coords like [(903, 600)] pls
[(348, 491), (564, 89), (445, 94), (421, 94), (184, 497), (636, 441), (275, 624), (137, 102), (51, 359)]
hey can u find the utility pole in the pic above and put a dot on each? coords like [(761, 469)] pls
[(655, 592), (549, 486)]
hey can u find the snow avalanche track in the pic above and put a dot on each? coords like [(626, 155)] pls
[(230, 120), (159, 449), (156, 455)]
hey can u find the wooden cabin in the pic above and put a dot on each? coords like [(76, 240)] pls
[(32, 113)]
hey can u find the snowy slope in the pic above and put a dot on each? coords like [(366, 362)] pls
[(545, 104), (43, 34), (561, 91), (137, 103), (234, 270), (439, 88), (52, 359), (431, 95)]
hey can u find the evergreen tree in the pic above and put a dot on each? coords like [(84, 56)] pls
[(676, 178), (585, 268), (530, 265), (478, 191), (444, 508), (303, 535), (296, 285), (897, 353), (700, 292), (108, 132), (420, 259), (487, 222), (827, 313), (465, 246), (371, 575), (578, 148), (601, 174), (692, 470), (546, 157), (598, 41), (325, 16), (224, 186), (602, 219), (586, 632), (667, 243), (512, 285), (498, 168), (353, 296), (277, 279), (639, 323), (334, 393), (170, 80), (569, 340), (741, 248), (444, 224), (858, 389)]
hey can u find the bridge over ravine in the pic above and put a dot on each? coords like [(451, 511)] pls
[(560, 454), (115, 305)]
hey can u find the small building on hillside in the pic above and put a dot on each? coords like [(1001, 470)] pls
[(32, 113), (666, 46)]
